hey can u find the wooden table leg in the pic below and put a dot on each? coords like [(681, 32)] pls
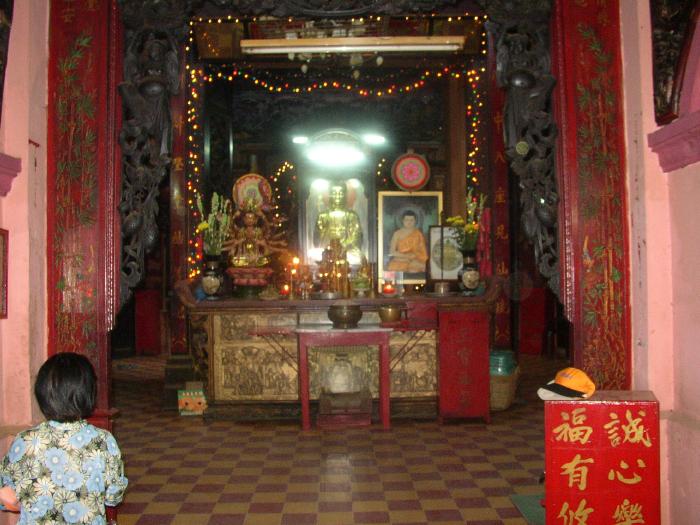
[(384, 384), (304, 384)]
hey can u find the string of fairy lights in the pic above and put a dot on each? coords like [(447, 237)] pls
[(283, 181)]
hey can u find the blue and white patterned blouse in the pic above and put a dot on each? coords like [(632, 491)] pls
[(64, 473)]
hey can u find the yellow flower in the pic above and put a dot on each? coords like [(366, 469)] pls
[(455, 221), (202, 226)]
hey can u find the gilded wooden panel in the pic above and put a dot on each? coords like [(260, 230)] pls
[(253, 367), (415, 373), (249, 367), (343, 369)]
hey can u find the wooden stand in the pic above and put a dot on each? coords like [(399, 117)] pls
[(327, 336)]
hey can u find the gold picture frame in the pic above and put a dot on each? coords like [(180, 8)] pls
[(392, 207)]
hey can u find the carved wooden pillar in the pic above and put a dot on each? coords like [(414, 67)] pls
[(81, 183), (591, 173)]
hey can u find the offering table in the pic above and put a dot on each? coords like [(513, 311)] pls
[(247, 351)]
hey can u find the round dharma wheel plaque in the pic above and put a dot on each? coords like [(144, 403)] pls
[(410, 172)]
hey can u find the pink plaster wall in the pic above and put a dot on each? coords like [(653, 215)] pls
[(684, 195), (22, 212), (665, 254), (650, 240)]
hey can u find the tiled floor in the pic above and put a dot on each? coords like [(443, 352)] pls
[(186, 471)]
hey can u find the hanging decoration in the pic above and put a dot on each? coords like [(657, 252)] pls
[(410, 171)]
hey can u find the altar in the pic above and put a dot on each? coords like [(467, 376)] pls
[(248, 353)]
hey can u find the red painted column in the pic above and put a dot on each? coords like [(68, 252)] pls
[(591, 169), (82, 175), (179, 219)]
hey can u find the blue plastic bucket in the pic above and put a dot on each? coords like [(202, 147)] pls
[(502, 362)]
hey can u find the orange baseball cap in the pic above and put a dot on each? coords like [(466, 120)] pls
[(569, 383)]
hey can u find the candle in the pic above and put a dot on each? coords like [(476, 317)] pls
[(284, 290), (388, 289)]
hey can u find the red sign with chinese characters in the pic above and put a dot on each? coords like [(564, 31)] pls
[(602, 460)]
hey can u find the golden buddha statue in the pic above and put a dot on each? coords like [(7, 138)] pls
[(252, 240), (340, 223)]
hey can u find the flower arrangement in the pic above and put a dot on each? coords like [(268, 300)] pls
[(467, 228), (215, 227)]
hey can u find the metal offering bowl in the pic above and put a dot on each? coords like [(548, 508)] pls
[(344, 315), (389, 313)]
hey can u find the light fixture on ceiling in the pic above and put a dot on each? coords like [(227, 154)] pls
[(383, 44)]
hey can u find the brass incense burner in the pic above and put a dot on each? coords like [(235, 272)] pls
[(344, 315)]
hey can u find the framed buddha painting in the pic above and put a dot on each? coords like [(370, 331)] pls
[(403, 229)]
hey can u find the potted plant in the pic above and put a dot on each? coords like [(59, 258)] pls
[(466, 234), (215, 230), (215, 226)]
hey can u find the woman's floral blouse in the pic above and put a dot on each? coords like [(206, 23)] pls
[(64, 473)]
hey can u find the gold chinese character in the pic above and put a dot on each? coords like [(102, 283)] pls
[(178, 124), (501, 232), (498, 118), (634, 429), (577, 471), (575, 517), (178, 164), (501, 306), (501, 268), (628, 513), (91, 5), (573, 429), (581, 3), (500, 159), (177, 237), (616, 474), (612, 427), (500, 196), (633, 432), (68, 14)]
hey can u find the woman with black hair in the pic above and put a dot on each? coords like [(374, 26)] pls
[(64, 470)]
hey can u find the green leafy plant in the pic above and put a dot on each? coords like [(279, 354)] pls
[(467, 227), (216, 225)]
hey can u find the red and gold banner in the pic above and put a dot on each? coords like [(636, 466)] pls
[(81, 204), (179, 209), (591, 170), (500, 230)]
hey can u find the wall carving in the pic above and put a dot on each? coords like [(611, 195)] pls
[(673, 24), (153, 32), (520, 30)]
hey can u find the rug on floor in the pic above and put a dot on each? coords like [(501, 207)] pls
[(530, 507)]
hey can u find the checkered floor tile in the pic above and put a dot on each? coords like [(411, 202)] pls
[(187, 471)]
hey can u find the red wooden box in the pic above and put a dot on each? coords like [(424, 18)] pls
[(602, 459)]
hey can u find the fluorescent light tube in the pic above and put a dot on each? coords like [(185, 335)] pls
[(387, 44)]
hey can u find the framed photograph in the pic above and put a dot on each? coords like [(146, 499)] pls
[(3, 274), (403, 227), (445, 257)]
